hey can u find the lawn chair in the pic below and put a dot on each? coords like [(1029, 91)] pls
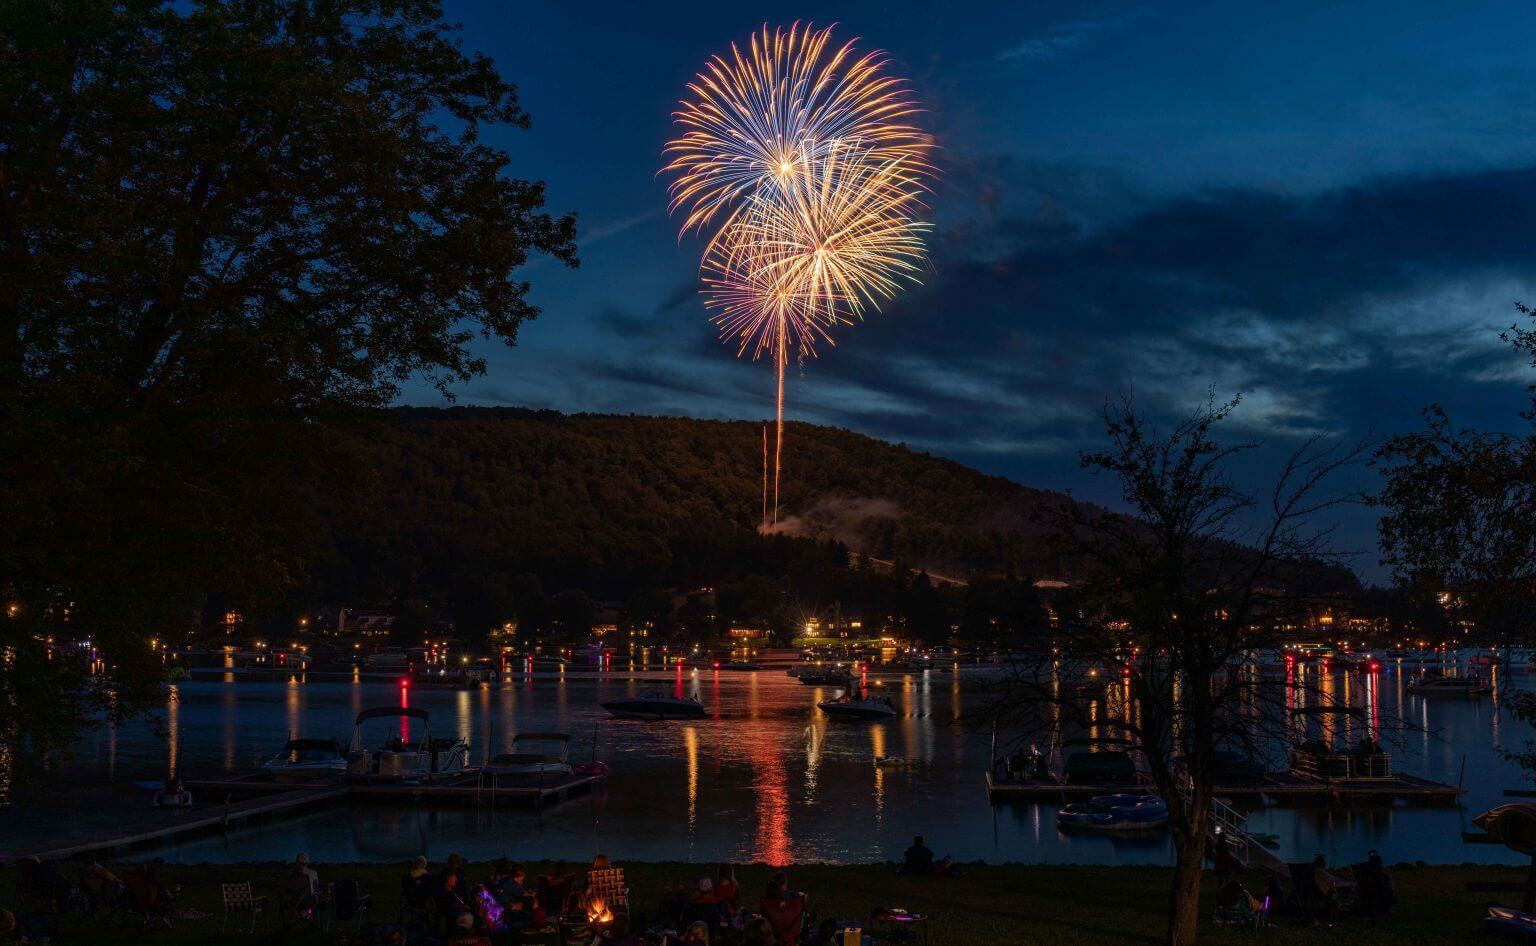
[(555, 892), (1236, 907), (787, 917), (607, 886), (239, 901), (348, 903)]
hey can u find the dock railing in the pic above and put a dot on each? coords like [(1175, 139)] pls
[(1227, 824)]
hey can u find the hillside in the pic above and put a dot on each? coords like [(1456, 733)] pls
[(482, 510), (609, 498)]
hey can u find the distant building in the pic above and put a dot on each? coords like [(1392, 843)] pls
[(363, 622)]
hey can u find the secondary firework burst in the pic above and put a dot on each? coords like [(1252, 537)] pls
[(799, 162), (757, 118)]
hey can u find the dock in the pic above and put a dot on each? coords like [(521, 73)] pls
[(263, 799), (209, 821), (1279, 788)]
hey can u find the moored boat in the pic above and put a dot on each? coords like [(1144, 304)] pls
[(655, 704), (400, 757), (867, 708), (1466, 687), (1122, 812), (307, 760), (524, 760)]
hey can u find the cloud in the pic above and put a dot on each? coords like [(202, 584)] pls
[(1057, 40)]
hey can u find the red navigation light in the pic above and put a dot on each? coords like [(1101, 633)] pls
[(1373, 666), (404, 684), (717, 665)]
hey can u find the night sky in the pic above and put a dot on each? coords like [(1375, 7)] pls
[(1329, 211)]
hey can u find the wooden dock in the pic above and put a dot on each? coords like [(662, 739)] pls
[(211, 819), (262, 799), (1280, 788), (465, 787)]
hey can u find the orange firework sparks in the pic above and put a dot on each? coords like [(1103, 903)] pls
[(807, 153), (758, 118)]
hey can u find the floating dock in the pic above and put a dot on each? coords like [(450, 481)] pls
[(263, 799), (1277, 787)]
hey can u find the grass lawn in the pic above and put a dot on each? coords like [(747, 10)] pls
[(989, 906)]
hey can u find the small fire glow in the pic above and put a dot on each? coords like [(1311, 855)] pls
[(598, 912)]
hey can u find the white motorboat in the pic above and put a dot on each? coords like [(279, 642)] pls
[(307, 760), (1448, 686), (866, 708), (522, 760), (655, 704), (401, 757)]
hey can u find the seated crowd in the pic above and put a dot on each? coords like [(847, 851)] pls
[(1317, 893)]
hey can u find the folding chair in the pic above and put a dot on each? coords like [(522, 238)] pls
[(239, 901)]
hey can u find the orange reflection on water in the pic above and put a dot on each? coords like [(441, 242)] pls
[(691, 748), (173, 727), (770, 783)]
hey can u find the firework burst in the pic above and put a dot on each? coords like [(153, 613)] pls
[(801, 158), (758, 118)]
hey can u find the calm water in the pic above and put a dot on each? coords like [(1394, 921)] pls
[(770, 779)]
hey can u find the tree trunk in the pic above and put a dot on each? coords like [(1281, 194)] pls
[(1184, 897)]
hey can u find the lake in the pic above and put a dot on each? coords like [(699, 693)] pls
[(766, 778)]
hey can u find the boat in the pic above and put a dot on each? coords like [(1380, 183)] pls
[(173, 795), (823, 678), (1448, 686), (1341, 746), (741, 665), (867, 708), (518, 762), (1104, 760), (655, 704), (1122, 812), (307, 760), (399, 757), (392, 658), (459, 679)]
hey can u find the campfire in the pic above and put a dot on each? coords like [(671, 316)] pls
[(598, 912)]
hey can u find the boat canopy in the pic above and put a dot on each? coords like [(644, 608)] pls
[(380, 712), (312, 745)]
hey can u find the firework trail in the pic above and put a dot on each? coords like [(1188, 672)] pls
[(803, 160)]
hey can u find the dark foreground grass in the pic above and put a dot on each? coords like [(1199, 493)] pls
[(988, 906)]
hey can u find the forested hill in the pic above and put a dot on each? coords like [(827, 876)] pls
[(469, 502), (592, 501)]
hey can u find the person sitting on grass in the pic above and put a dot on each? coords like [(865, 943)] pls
[(463, 932), (784, 910), (507, 884), (759, 932), (704, 907), (726, 888), (298, 890), (1235, 906), (1374, 885), (918, 859)]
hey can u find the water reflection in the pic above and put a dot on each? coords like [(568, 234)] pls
[(769, 778)]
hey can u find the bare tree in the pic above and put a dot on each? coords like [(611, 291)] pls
[(1174, 605)]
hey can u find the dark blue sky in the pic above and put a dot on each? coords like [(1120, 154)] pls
[(1329, 211)]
